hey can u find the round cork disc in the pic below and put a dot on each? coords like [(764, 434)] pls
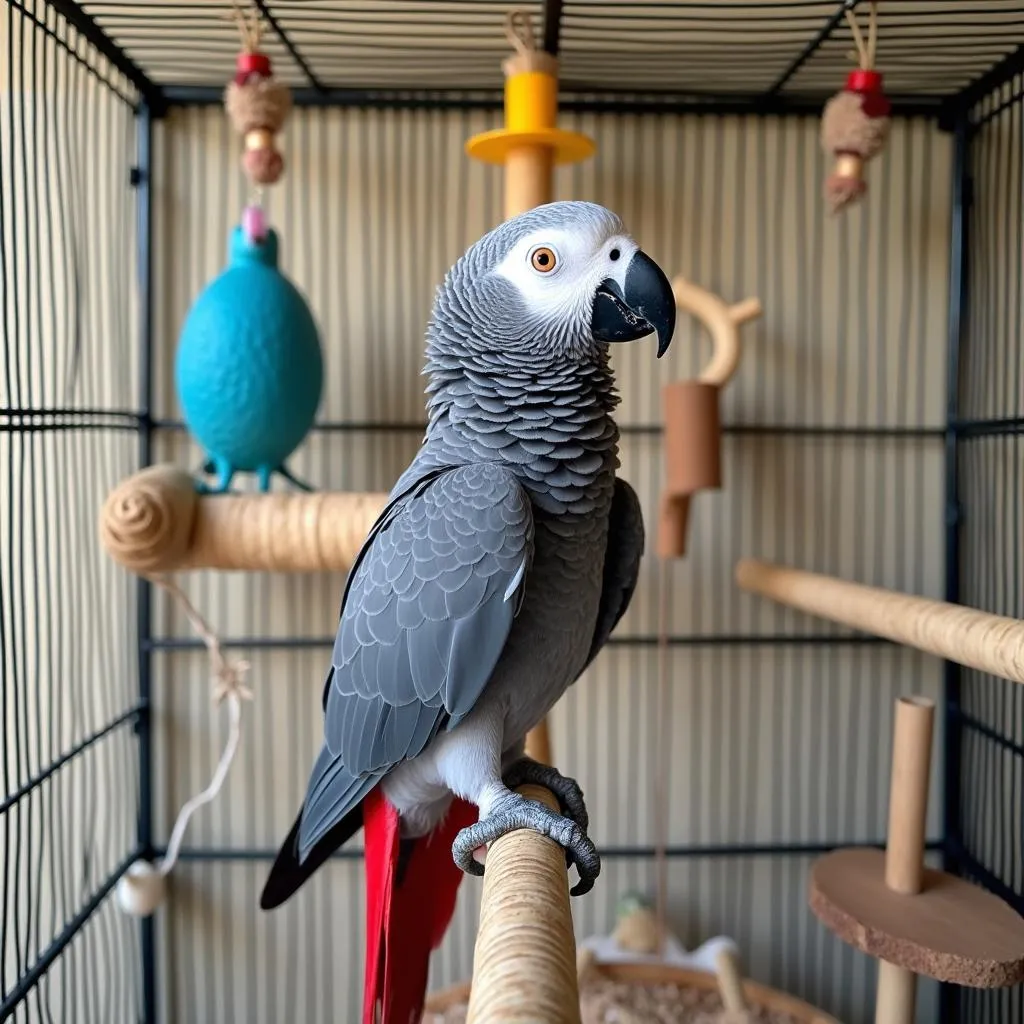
[(951, 931)]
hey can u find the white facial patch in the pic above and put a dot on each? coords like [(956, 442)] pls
[(584, 256)]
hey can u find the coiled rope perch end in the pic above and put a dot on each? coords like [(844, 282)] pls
[(155, 521)]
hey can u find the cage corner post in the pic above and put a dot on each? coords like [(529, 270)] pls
[(959, 127), (142, 175)]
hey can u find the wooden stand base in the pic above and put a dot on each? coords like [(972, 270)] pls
[(951, 930)]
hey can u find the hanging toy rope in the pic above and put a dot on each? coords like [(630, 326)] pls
[(143, 886), (519, 32), (855, 123)]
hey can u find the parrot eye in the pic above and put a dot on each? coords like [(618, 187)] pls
[(543, 259)]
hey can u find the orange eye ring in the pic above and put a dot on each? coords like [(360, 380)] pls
[(543, 259)]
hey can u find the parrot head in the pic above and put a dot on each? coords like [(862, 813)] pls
[(558, 283)]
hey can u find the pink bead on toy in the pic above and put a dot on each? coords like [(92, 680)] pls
[(254, 223)]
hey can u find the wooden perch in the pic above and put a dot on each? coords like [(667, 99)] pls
[(155, 521), (979, 640), (524, 963)]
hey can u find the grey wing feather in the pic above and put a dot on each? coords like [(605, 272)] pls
[(426, 613), (621, 564)]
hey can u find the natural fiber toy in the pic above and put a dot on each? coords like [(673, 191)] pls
[(248, 372), (855, 122), (249, 369), (257, 105)]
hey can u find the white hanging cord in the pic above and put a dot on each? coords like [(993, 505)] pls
[(228, 676)]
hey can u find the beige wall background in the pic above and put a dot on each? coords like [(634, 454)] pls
[(773, 742)]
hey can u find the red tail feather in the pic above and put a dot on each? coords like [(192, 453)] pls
[(405, 922)]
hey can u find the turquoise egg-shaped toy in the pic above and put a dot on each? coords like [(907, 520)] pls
[(249, 367)]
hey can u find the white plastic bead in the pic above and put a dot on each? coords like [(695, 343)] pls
[(141, 889)]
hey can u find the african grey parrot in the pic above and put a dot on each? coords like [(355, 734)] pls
[(504, 558)]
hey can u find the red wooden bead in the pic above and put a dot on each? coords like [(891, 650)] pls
[(864, 81), (247, 64)]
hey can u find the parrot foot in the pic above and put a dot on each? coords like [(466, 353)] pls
[(511, 812), (526, 771)]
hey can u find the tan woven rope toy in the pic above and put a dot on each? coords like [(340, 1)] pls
[(855, 122), (257, 103)]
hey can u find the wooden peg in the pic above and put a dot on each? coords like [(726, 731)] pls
[(904, 853), (690, 409), (722, 322), (730, 982), (693, 440)]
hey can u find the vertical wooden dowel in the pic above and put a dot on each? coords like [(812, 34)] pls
[(529, 173), (905, 842), (730, 982), (538, 742), (896, 994), (908, 794), (528, 147)]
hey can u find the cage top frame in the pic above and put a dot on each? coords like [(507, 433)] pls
[(724, 57)]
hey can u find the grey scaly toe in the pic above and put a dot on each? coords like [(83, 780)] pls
[(526, 771), (514, 811)]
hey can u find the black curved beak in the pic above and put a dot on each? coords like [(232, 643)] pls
[(645, 305)]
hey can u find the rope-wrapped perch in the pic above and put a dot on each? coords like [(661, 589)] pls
[(155, 521), (524, 963), (979, 640)]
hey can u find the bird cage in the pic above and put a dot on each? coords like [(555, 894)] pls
[(835, 189)]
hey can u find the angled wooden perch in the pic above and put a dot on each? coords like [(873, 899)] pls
[(979, 640), (915, 920), (155, 521), (524, 963)]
